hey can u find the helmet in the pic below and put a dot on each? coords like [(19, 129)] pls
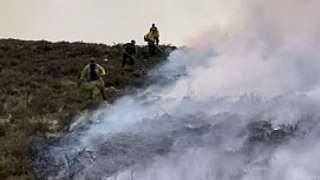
[(133, 41)]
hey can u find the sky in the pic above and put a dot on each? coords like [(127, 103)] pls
[(108, 21)]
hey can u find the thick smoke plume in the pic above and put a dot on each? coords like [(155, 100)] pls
[(264, 67)]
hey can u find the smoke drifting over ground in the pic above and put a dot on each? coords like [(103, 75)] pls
[(243, 103)]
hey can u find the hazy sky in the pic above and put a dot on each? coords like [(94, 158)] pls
[(110, 20)]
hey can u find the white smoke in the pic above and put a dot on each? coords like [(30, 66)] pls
[(264, 66)]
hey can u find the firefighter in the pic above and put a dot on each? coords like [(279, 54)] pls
[(156, 33), (150, 39), (129, 51), (92, 74)]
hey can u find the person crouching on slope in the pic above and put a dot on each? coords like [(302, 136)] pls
[(129, 51), (92, 73)]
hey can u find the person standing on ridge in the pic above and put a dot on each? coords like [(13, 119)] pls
[(150, 39), (92, 74), (129, 51), (153, 39), (156, 33)]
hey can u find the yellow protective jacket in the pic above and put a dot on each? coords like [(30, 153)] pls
[(92, 72), (155, 32), (150, 36)]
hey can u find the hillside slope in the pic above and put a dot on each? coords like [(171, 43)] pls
[(39, 91)]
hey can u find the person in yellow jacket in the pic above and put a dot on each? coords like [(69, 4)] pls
[(152, 38), (155, 33), (92, 74)]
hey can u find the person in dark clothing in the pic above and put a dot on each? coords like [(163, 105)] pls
[(129, 51)]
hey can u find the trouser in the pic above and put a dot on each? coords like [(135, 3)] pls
[(157, 40), (152, 47), (125, 58), (96, 87)]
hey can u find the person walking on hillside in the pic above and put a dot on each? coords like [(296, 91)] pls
[(92, 74), (129, 51)]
